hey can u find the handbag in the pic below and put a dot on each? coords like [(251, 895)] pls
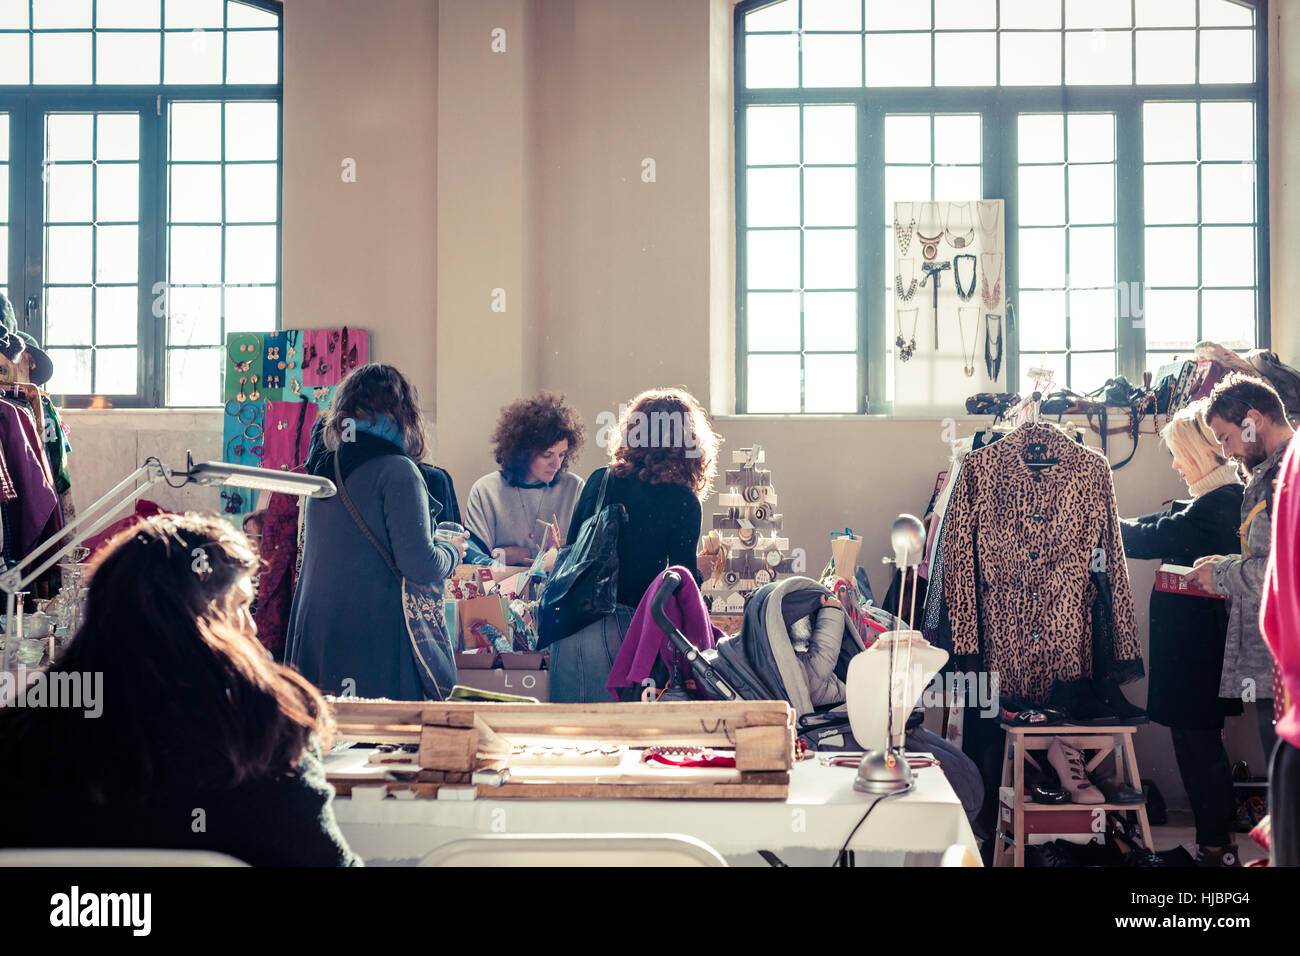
[(583, 587), (435, 660)]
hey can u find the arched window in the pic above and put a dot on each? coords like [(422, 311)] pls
[(1127, 138), (140, 189)]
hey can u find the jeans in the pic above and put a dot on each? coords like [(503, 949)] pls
[(581, 662), (1207, 777), (1284, 798)]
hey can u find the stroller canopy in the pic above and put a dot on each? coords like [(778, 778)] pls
[(791, 647)]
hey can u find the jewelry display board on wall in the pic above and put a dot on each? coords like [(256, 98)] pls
[(269, 375), (949, 301)]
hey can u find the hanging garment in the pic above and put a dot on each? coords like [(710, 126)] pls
[(275, 584), (1020, 545), (288, 434), (1280, 614), (56, 446), (35, 512)]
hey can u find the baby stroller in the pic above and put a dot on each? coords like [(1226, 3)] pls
[(791, 647)]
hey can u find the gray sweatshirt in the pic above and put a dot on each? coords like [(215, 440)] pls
[(506, 515)]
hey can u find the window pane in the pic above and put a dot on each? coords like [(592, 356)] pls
[(195, 193), (194, 254), (829, 134), (1166, 56), (1092, 137), (1227, 56), (906, 184), (67, 316), (250, 254), (1042, 258), (773, 259), (772, 321), (127, 58), (965, 59), (832, 15), (1098, 58), (193, 377), (898, 59), (195, 131), (830, 320), (965, 14), (1168, 132), (1228, 317), (1092, 256), (1091, 14), (1042, 195), (252, 131), (771, 60), (61, 58), (1228, 131), (1225, 13), (194, 316), (128, 14), (118, 194), (68, 254), (116, 253), (957, 182), (772, 134), (69, 136), (779, 16), (1031, 59), (251, 193), (830, 259), (1171, 258), (1228, 255), (115, 371), (192, 56), (774, 382), (773, 197), (1092, 193), (60, 14), (245, 15), (185, 14), (71, 371), (14, 65), (1030, 15), (830, 60), (1170, 318), (1041, 138), (1166, 13), (907, 139), (117, 318), (250, 308), (1228, 192), (1090, 371), (13, 14), (957, 139), (831, 383), (1092, 318), (1041, 320), (253, 56), (1170, 193), (892, 15), (68, 192), (829, 197), (119, 136)]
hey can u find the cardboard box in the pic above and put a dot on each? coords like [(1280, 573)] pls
[(470, 572), (530, 683), (1170, 579), (489, 609), (1066, 821)]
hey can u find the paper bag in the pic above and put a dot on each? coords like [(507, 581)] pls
[(845, 546)]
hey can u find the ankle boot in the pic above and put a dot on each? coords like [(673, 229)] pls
[(1080, 702), (1108, 692), (1067, 761)]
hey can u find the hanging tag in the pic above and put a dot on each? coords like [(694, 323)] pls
[(1036, 456)]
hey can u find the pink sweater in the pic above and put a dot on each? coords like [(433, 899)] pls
[(1279, 612), (645, 641)]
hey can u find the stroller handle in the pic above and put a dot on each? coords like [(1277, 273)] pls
[(702, 670)]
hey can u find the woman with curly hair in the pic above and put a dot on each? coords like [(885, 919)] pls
[(534, 441), (662, 462)]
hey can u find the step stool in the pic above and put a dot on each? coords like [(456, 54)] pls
[(1009, 848)]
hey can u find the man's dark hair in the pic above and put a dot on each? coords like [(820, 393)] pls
[(1238, 394)]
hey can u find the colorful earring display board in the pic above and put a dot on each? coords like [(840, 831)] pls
[(948, 302), (276, 383)]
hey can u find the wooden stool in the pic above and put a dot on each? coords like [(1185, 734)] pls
[(1009, 849)]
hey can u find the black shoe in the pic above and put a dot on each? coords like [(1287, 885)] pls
[(1078, 700), (1043, 786), (1055, 853), (1116, 792), (1108, 692)]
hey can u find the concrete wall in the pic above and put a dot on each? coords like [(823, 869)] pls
[(522, 171)]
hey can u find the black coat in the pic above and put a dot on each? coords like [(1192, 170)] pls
[(1187, 633)]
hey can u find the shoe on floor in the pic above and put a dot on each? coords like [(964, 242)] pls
[(1081, 705), (1222, 856), (1067, 761), (1108, 692)]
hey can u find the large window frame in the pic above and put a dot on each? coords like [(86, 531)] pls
[(999, 107), (26, 106)]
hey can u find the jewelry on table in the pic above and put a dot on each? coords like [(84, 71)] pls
[(988, 212), (929, 244), (905, 294), (906, 349), (968, 237), (968, 365), (965, 294), (991, 299), (992, 362), (904, 234)]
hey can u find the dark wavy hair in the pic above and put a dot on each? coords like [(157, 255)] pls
[(372, 390), (1237, 393), (191, 702), (529, 426), (688, 458)]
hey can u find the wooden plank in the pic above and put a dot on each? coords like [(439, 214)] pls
[(752, 786), (448, 748), (764, 748)]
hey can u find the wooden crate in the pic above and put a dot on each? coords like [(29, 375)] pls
[(456, 739)]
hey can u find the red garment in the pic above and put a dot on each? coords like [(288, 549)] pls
[(1279, 610), (144, 508), (644, 640), (276, 584), (37, 515)]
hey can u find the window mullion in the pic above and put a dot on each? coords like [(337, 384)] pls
[(1130, 251)]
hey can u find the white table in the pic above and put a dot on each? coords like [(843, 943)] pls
[(807, 829)]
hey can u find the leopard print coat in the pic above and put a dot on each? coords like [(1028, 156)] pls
[(1020, 547)]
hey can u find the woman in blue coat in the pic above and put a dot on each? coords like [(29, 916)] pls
[(1187, 632), (347, 629)]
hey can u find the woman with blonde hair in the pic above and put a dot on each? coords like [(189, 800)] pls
[(1187, 632), (663, 458)]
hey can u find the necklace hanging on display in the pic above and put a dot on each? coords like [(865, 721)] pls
[(967, 291), (971, 316), (908, 266), (929, 244), (992, 361), (906, 349), (904, 234), (960, 211), (994, 296), (988, 212)]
